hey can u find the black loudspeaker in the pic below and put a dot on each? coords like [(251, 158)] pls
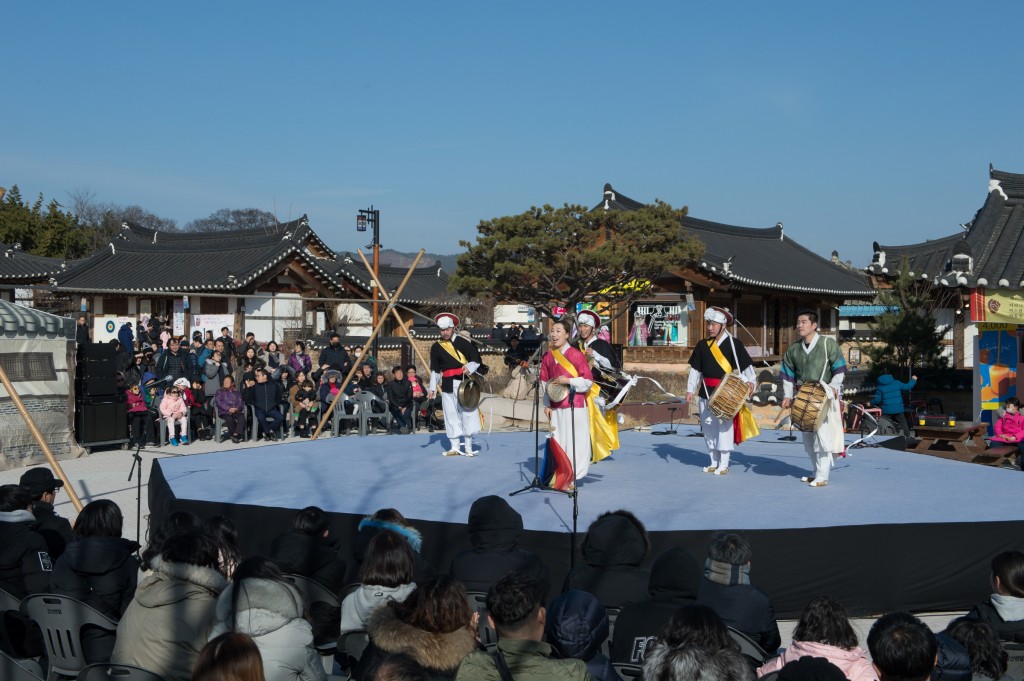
[(101, 422), (899, 442), (96, 351), (97, 368), (88, 386)]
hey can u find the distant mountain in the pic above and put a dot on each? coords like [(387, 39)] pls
[(399, 259)]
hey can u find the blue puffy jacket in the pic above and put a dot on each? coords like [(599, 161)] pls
[(889, 394)]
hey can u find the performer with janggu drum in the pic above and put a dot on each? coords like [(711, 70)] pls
[(453, 360), (719, 362), (818, 364)]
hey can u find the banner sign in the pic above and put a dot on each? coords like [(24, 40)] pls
[(997, 305)]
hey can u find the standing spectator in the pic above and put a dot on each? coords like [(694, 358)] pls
[(332, 357), (265, 396), (126, 337), (675, 580), (889, 395), (515, 608), (175, 362), (299, 360), (169, 620), (251, 357), (399, 394), (727, 590), (139, 417), (231, 408), (615, 546), (226, 355), (215, 369), (82, 331), (825, 631), (43, 488), (576, 628), (250, 342), (229, 350), (260, 602), (204, 353), (174, 411), (1004, 610), (902, 648), (99, 568), (25, 565), (133, 374)]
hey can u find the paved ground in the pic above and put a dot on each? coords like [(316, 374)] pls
[(104, 475)]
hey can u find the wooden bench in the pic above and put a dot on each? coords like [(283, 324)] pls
[(962, 442)]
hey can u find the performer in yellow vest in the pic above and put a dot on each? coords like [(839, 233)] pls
[(713, 358), (604, 428), (451, 358)]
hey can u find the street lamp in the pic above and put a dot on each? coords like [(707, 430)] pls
[(371, 217)]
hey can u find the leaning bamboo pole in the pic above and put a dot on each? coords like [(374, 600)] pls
[(398, 317), (369, 341), (34, 429)]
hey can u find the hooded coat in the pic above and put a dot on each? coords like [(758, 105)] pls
[(368, 529), (169, 620), (271, 612), (889, 393), (439, 654), (318, 558), (1004, 613), (360, 604), (494, 530), (675, 579), (855, 664), (613, 549), (576, 627), (99, 571)]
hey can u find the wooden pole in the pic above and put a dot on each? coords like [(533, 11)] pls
[(75, 501), (398, 318), (369, 342)]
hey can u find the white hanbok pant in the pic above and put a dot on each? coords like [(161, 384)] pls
[(718, 435), (821, 444), (458, 422), (576, 448)]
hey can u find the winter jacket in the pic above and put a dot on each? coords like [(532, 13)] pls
[(613, 550), (855, 664), (675, 580), (368, 529), (439, 654), (126, 337), (55, 529), (494, 530), (889, 394), (399, 393), (172, 407), (300, 394), (318, 558), (301, 362), (136, 403), (1010, 424), (169, 620), (576, 627), (745, 608), (357, 606), (264, 396), (335, 357), (527, 660), (100, 571), (25, 566), (1004, 613), (272, 613), (228, 398), (176, 365)]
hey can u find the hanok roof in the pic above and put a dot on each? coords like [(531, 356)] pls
[(18, 320), (426, 285), (990, 252), (761, 258), (18, 266)]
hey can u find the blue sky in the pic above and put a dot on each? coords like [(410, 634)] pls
[(848, 122)]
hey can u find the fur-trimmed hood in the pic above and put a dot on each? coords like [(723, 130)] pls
[(177, 582), (264, 605), (441, 652), (411, 534)]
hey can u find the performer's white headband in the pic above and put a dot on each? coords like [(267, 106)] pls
[(718, 315), (588, 318), (445, 321)]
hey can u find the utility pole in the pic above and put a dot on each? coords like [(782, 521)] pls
[(371, 217)]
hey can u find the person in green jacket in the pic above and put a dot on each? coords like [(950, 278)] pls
[(515, 610)]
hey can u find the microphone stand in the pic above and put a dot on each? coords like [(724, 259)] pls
[(574, 492), (137, 460), (535, 423)]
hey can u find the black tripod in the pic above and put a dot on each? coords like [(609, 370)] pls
[(671, 430)]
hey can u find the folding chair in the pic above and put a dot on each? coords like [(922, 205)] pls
[(1015, 659), (61, 620), (108, 671), (339, 415), (12, 669), (219, 423), (749, 647), (629, 671), (478, 604), (365, 402)]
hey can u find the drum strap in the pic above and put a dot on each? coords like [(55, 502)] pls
[(448, 347)]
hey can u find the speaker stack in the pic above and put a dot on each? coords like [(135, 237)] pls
[(101, 414)]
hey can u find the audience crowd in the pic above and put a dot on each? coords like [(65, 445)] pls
[(191, 605)]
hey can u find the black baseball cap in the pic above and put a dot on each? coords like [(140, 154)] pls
[(39, 480)]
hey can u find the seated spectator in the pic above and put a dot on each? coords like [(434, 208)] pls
[(675, 579), (419, 399), (693, 663), (265, 396), (396, 668), (43, 487), (615, 546), (1004, 610), (225, 533), (167, 623), (275, 359), (399, 396), (1010, 427), (953, 662), (902, 648), (330, 386), (389, 519), (229, 657), (727, 590), (365, 378), (173, 411), (200, 410), (434, 626), (385, 575), (305, 406), (577, 627), (231, 409), (176, 521), (98, 568), (515, 609), (25, 565), (988, 658), (308, 550), (694, 626), (140, 418), (825, 631), (494, 530), (810, 669), (300, 361), (260, 602)]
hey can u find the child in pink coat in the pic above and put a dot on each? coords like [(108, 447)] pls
[(173, 409), (824, 630), (1010, 428)]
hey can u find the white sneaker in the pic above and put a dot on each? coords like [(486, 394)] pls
[(709, 469), (722, 471), (468, 452)]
